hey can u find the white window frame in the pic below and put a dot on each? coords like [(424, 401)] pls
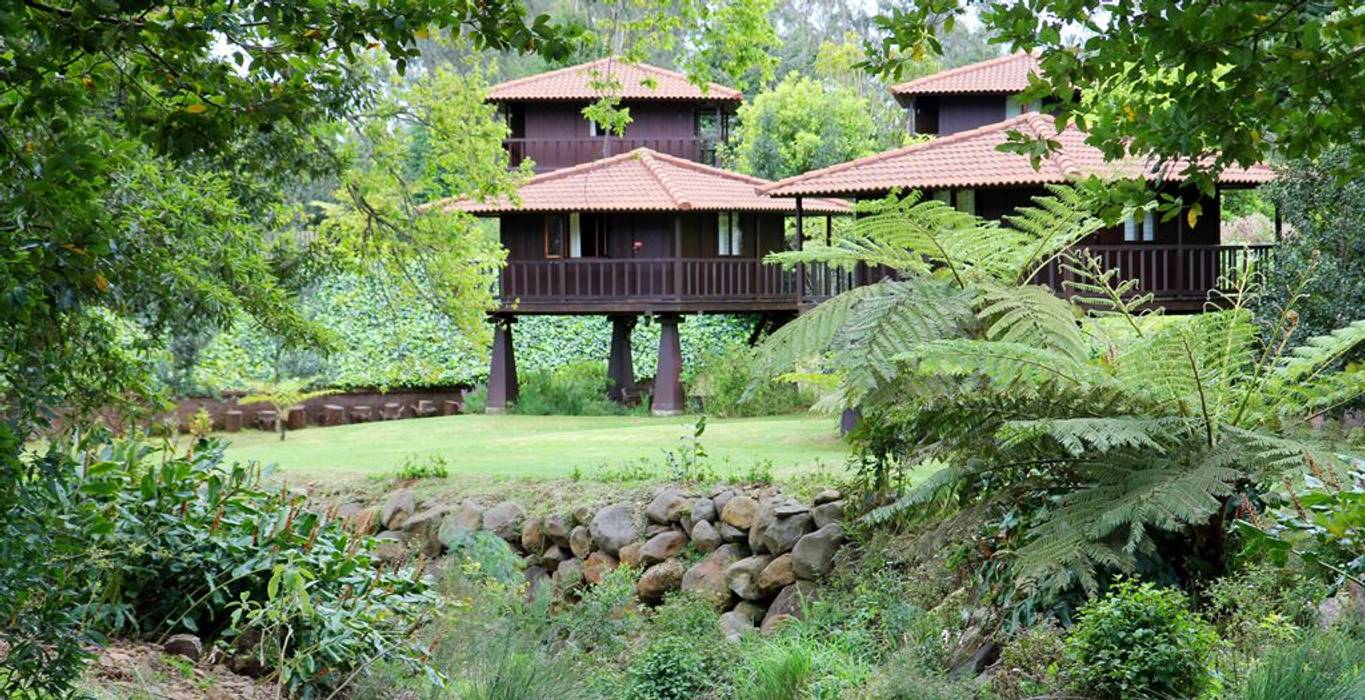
[(575, 235), (1149, 226), (729, 234), (1130, 229)]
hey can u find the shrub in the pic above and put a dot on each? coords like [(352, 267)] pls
[(577, 389), (669, 668), (1140, 640), (187, 543), (1324, 666), (416, 467), (1030, 664), (731, 385)]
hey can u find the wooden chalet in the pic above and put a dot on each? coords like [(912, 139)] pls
[(669, 114), (641, 233), (1179, 263)]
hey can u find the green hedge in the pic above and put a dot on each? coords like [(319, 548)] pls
[(390, 341)]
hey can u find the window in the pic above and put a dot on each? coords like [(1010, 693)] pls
[(575, 235), (729, 234), (595, 130), (1013, 107), (554, 236), (945, 196), (1133, 231), (966, 201)]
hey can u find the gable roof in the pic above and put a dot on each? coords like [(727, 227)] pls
[(1007, 74), (641, 180), (971, 159), (639, 81)]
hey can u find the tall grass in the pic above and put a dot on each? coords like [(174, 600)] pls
[(1324, 666)]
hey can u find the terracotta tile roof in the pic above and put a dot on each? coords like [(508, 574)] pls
[(639, 81), (1006, 74), (971, 159), (643, 180)]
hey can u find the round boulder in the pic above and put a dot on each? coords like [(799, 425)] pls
[(613, 528), (580, 542), (504, 520), (739, 512), (659, 579), (813, 555), (664, 545)]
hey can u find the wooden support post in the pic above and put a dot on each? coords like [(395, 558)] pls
[(1279, 223), (849, 420), (800, 241), (502, 372), (829, 229), (668, 397), (677, 256), (620, 363)]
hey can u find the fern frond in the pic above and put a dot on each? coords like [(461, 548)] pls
[(810, 334), (1036, 316), (1004, 364), (1041, 232), (1101, 290), (902, 315), (1081, 436), (1305, 382)]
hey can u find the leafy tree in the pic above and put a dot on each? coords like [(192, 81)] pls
[(1219, 82), (129, 130), (1113, 442), (801, 124), (1319, 267)]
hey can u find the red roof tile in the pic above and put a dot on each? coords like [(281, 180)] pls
[(642, 180), (639, 81), (1006, 74), (971, 159)]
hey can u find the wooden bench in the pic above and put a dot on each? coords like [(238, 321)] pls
[(391, 411), (333, 414), (362, 414), (265, 419)]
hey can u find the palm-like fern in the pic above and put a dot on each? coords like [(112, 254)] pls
[(1024, 398)]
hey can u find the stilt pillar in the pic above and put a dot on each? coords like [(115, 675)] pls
[(502, 373), (668, 397), (848, 420), (620, 364)]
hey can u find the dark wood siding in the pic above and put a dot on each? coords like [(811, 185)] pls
[(962, 112)]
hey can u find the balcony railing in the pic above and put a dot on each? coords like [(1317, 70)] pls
[(551, 154), (1171, 273)]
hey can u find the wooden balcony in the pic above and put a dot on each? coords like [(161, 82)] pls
[(1181, 278), (555, 153)]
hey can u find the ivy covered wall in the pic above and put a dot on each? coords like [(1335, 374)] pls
[(388, 341)]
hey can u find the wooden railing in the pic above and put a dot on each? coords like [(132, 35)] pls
[(1171, 273), (659, 279), (552, 153), (1187, 272)]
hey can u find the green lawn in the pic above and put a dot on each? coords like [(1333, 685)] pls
[(542, 446)]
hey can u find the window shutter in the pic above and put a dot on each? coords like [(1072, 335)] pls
[(966, 201), (1130, 232), (1149, 226)]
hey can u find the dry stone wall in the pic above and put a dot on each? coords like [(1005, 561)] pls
[(754, 552)]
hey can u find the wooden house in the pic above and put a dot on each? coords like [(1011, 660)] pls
[(669, 114), (1180, 263), (641, 233)]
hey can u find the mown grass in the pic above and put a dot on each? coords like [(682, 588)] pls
[(543, 446)]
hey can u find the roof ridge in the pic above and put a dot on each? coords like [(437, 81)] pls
[(679, 161), (711, 89), (647, 159), (543, 74), (1060, 159), (922, 146), (979, 65)]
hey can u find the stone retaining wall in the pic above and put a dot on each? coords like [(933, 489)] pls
[(760, 551)]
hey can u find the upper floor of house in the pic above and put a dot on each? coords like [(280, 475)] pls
[(969, 96), (668, 113)]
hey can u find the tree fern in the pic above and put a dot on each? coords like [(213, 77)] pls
[(1034, 315)]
